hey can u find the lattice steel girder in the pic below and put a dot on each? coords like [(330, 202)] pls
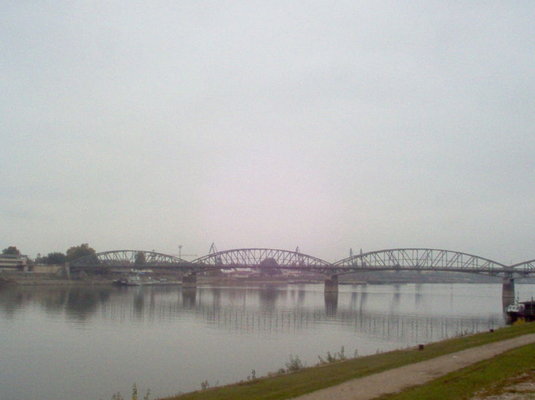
[(127, 257), (421, 258), (254, 257), (525, 267), (390, 259)]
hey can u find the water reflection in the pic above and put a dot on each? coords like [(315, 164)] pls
[(417, 294), (267, 297), (253, 310), (76, 303), (331, 303), (186, 335), (189, 296), (396, 297)]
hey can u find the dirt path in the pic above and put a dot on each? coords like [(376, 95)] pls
[(521, 387), (397, 379)]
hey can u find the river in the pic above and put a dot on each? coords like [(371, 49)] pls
[(89, 343)]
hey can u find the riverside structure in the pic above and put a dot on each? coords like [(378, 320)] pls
[(273, 260)]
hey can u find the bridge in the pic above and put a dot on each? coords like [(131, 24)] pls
[(272, 260), (117, 259)]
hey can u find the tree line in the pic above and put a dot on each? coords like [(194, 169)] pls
[(56, 258), (72, 253)]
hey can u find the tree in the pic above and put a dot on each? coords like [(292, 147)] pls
[(140, 258), (79, 251), (11, 250), (269, 266), (55, 258), (39, 259)]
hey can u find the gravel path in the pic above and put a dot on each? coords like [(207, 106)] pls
[(397, 379)]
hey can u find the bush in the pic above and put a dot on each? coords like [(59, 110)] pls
[(295, 364)]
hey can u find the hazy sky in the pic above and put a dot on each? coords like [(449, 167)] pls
[(319, 124)]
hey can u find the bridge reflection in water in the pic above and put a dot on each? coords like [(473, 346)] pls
[(391, 316)]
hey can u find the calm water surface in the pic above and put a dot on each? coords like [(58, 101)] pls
[(88, 343)]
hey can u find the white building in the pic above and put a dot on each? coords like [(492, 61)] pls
[(13, 262)]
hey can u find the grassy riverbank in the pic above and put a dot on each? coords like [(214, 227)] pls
[(485, 378), (310, 379)]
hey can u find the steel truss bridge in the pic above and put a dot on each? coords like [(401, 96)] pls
[(264, 259)]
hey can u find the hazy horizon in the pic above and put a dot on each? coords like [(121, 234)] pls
[(323, 125)]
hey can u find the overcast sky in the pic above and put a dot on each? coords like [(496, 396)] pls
[(326, 125)]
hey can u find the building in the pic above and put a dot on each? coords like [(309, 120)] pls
[(13, 262)]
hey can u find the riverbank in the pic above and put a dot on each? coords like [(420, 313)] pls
[(28, 279), (506, 376), (419, 375), (307, 380), (34, 278)]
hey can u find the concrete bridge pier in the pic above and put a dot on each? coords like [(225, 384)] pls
[(508, 290), (331, 284), (189, 280)]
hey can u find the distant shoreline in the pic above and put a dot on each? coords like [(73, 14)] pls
[(20, 279)]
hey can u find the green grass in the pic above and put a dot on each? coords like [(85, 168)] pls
[(489, 376), (314, 378)]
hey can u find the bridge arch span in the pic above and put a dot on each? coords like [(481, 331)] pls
[(258, 257), (124, 258), (419, 259), (525, 267)]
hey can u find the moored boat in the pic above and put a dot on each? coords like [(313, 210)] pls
[(141, 279), (125, 282), (134, 279), (523, 310)]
